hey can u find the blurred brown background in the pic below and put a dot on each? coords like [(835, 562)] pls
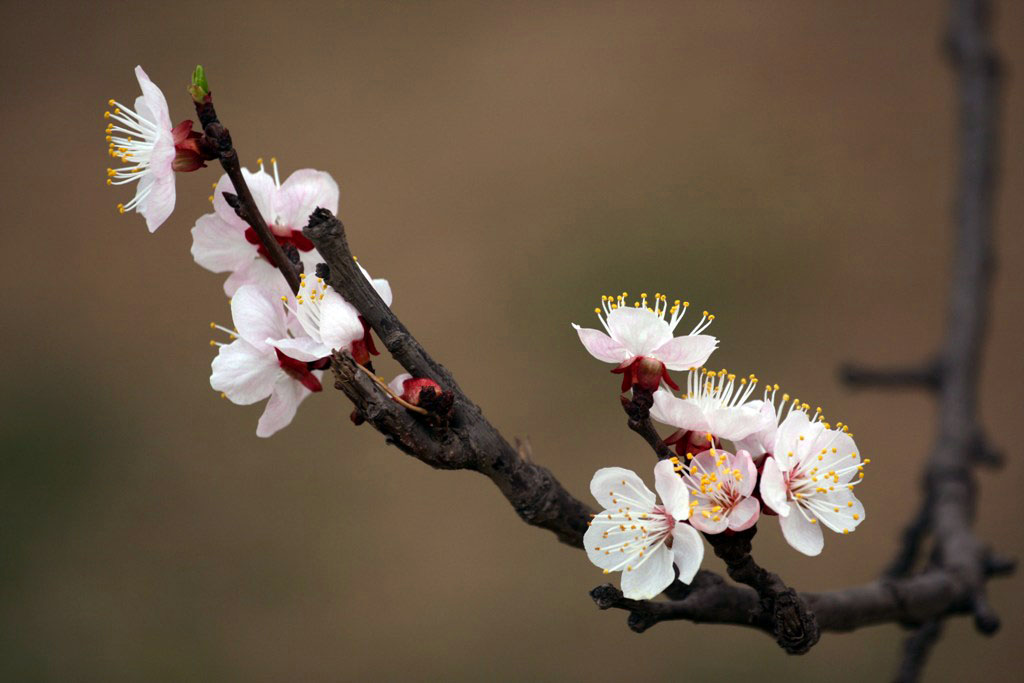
[(788, 165)]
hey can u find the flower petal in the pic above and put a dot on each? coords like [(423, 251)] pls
[(672, 490), (159, 203), (261, 185), (613, 486), (839, 510), (257, 316), (339, 321), (678, 412), (748, 471), (744, 514), (305, 190), (801, 533), (687, 551), (601, 346), (218, 246), (738, 422), (282, 406), (305, 349), (244, 373), (652, 575), (684, 353), (154, 99), (773, 488), (397, 385), (638, 330)]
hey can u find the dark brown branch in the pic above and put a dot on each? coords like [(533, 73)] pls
[(793, 625), (954, 585), (927, 376), (470, 441), (638, 410), (916, 649), (217, 138)]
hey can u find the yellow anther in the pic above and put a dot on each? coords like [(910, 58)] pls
[(856, 516)]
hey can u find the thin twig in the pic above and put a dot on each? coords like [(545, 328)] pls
[(218, 138), (384, 385)]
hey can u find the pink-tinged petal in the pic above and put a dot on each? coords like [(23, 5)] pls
[(339, 321), (652, 575), (159, 203), (154, 99), (305, 349), (244, 373), (601, 346), (744, 514), (304, 191), (677, 412), (257, 316), (218, 246), (839, 510), (801, 533), (672, 490), (613, 485), (638, 330), (704, 520), (684, 353), (834, 450), (261, 185), (787, 439), (761, 441), (738, 422), (687, 551), (282, 406), (261, 274), (748, 471), (773, 488), (397, 385)]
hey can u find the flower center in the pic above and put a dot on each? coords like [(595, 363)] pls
[(661, 306), (285, 236), (712, 390)]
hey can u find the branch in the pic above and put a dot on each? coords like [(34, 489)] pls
[(927, 376), (217, 138), (638, 408), (916, 649), (469, 441)]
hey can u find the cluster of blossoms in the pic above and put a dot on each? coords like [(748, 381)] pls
[(280, 342), (738, 456)]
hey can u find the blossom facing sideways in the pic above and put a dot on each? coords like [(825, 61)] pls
[(639, 537), (251, 368), (330, 322), (151, 150), (714, 403), (639, 340), (809, 481), (224, 243), (721, 485)]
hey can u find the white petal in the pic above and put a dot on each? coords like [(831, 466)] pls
[(653, 575), (601, 346), (159, 203), (615, 487), (260, 184), (281, 407), (744, 514), (397, 384), (687, 551), (305, 349), (738, 422), (260, 273), (339, 321), (244, 373), (773, 488), (257, 315), (801, 534), (218, 246), (834, 510), (640, 331), (155, 101), (678, 412), (305, 190), (672, 490), (684, 353)]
